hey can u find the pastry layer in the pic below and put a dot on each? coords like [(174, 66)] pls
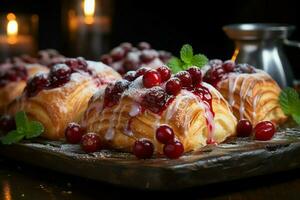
[(193, 123), (253, 97), (14, 89), (57, 107)]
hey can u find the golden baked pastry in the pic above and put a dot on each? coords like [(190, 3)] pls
[(251, 92), (13, 79), (61, 96), (128, 111)]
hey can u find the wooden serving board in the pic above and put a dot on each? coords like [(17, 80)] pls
[(237, 158)]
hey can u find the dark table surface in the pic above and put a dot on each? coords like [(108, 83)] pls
[(21, 181)]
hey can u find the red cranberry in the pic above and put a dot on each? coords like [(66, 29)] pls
[(214, 75), (7, 123), (148, 55), (196, 75), (185, 79), (74, 133), (72, 63), (130, 76), (173, 150), (12, 74), (245, 68), (165, 73), (126, 46), (106, 59), (165, 134), (82, 62), (117, 53), (114, 92), (244, 128), (264, 130), (37, 84), (144, 45), (173, 86), (81, 65), (151, 78), (20, 73), (130, 64), (143, 149), (59, 75), (228, 66), (215, 62), (120, 86), (155, 99), (142, 71), (91, 143), (164, 56)]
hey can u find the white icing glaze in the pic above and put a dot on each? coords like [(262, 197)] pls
[(110, 133), (185, 94), (135, 109), (246, 89)]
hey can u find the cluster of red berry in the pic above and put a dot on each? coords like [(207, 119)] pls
[(219, 70), (13, 74), (173, 148), (126, 57), (59, 75), (262, 131)]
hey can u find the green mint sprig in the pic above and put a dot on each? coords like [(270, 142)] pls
[(290, 103), (187, 59), (25, 129)]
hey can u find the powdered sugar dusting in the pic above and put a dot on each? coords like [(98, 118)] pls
[(98, 67)]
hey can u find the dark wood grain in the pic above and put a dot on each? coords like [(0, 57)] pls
[(235, 159)]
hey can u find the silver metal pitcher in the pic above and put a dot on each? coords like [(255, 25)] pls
[(261, 46)]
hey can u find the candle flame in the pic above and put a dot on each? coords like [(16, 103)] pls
[(6, 190), (89, 11), (12, 28), (12, 25)]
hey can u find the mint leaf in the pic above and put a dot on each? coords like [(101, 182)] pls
[(34, 129), (25, 129), (175, 64), (186, 53), (187, 59), (21, 121), (290, 103), (199, 60), (186, 66), (296, 118), (12, 137)]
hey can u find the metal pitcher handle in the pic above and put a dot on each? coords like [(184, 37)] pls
[(291, 43)]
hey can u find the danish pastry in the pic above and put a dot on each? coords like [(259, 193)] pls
[(61, 96), (251, 92), (13, 79), (132, 110)]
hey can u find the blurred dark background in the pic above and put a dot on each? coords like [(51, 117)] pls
[(168, 24)]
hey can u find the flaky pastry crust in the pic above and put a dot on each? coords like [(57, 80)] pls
[(12, 90), (57, 107), (253, 97), (121, 125)]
